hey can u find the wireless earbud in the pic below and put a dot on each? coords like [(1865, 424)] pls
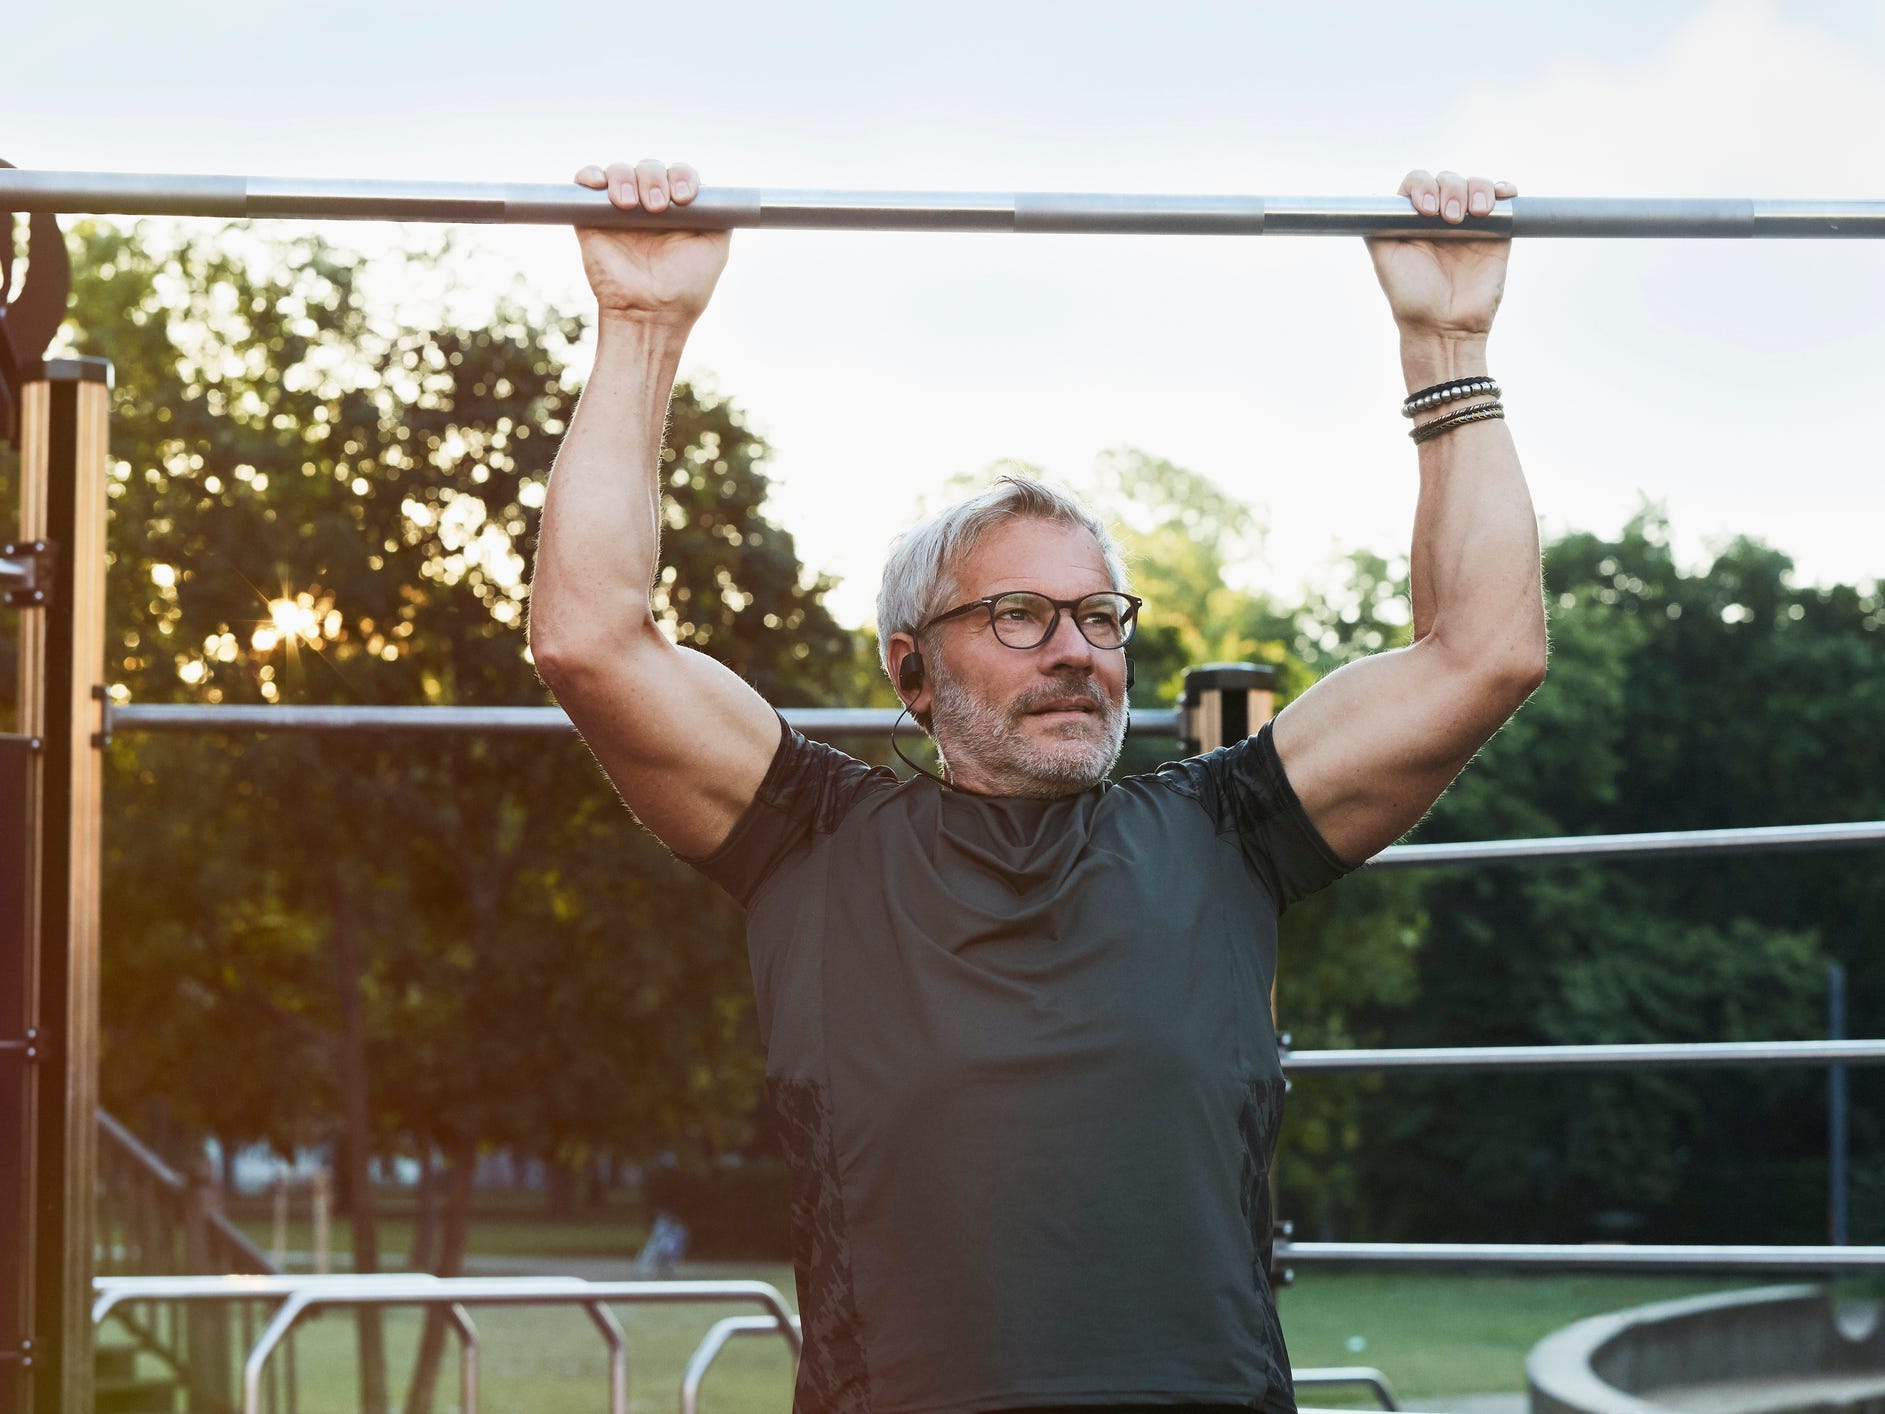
[(910, 673)]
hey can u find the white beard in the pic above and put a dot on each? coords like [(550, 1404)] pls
[(969, 730)]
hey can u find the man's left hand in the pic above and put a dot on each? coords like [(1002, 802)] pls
[(1449, 287)]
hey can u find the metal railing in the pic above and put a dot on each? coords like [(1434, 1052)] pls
[(1649, 1055), (1342, 1376), (1585, 1256), (817, 722), (1553, 1256), (293, 1297), (711, 1344), (732, 208), (153, 1221)]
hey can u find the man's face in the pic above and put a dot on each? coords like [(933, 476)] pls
[(1046, 721)]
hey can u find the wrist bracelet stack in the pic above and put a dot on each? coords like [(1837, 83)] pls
[(1442, 393)]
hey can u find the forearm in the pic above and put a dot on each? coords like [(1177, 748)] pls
[(1474, 568), (601, 533)]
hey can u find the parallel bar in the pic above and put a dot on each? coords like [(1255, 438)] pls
[(818, 722), (505, 1291), (1578, 1256), (1766, 839), (1674, 1055), (729, 208), (826, 722)]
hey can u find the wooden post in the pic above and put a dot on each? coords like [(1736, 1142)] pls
[(1224, 703), (19, 1060), (208, 1360), (278, 1235), (323, 1204), (64, 420)]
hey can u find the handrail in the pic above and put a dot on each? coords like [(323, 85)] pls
[(144, 1160), (818, 722), (709, 1350), (1336, 1375), (109, 1127), (1759, 839), (594, 1297), (1579, 1256), (1633, 1055)]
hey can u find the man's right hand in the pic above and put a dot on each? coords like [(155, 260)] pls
[(650, 277)]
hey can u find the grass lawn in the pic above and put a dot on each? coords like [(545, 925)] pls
[(1433, 1335), (512, 1235)]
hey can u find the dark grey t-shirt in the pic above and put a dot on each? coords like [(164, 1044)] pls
[(1021, 1059)]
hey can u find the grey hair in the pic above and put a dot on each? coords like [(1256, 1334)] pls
[(920, 571)]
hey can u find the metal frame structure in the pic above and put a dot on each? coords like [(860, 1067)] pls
[(296, 1296), (56, 573), (1059, 213), (500, 721), (299, 1295)]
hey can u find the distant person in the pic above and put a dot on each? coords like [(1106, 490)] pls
[(1016, 1020)]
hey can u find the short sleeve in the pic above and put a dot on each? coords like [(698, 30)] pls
[(808, 789), (1245, 791)]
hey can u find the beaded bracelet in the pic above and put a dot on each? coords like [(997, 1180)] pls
[(1480, 412), (1448, 393)]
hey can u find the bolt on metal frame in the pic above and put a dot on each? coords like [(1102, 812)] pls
[(1058, 213)]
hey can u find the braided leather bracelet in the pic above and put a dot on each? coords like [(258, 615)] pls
[(1448, 393), (1440, 426)]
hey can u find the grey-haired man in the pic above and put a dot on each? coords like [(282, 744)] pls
[(1016, 1021)]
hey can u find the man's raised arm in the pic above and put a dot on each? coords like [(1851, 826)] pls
[(685, 740), (1371, 747)]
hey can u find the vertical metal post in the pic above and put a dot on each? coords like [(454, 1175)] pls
[(1224, 703), (64, 418), (1836, 1220)]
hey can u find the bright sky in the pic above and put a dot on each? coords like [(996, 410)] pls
[(1737, 382)]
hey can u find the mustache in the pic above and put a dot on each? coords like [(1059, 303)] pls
[(1083, 688)]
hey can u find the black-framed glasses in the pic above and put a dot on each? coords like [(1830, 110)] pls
[(1024, 619)]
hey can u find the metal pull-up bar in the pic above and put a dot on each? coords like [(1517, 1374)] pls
[(730, 208)]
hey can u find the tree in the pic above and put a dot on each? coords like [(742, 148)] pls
[(311, 505), (1658, 714)]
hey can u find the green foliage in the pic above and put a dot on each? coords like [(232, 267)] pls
[(307, 506), (1675, 701)]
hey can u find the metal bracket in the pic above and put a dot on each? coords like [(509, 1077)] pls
[(1281, 1273), (26, 571)]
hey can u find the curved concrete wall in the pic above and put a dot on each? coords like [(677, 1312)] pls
[(1786, 1348)]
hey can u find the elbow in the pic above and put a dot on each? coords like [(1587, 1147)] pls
[(565, 655), (1503, 675), (551, 660), (1520, 672), (551, 652)]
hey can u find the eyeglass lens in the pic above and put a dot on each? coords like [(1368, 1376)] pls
[(1023, 620)]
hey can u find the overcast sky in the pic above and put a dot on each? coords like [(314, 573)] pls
[(1738, 383)]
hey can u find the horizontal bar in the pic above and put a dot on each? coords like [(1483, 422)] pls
[(1335, 1376), (820, 722), (110, 1292), (731, 208), (1676, 1055), (1764, 839), (1575, 1256)]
